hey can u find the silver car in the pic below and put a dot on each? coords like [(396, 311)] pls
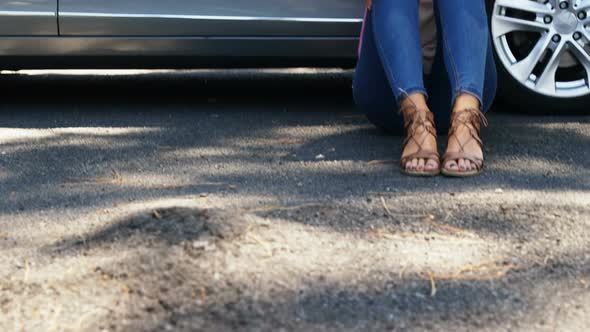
[(542, 46)]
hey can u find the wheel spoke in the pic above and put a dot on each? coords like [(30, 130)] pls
[(524, 68), (525, 5), (546, 81), (582, 4), (505, 24), (586, 21), (582, 56)]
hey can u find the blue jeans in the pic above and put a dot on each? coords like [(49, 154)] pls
[(390, 61)]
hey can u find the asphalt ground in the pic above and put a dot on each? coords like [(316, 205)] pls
[(263, 201)]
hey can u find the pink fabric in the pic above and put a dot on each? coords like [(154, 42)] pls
[(362, 32)]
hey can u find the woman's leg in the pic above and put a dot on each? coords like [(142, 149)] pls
[(389, 75), (439, 86), (397, 39), (490, 85), (371, 91), (467, 58), (465, 35)]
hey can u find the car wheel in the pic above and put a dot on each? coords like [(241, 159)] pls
[(542, 48)]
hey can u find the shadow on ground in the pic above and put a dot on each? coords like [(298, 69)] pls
[(192, 268), (296, 215), (265, 138)]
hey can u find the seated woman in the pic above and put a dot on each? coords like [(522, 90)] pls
[(391, 76)]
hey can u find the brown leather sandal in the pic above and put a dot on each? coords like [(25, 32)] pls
[(473, 119), (419, 123)]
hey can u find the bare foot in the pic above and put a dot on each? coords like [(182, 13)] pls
[(464, 139), (420, 151)]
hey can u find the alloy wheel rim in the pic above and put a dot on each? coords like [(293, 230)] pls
[(545, 44)]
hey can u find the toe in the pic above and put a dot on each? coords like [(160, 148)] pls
[(414, 164), (409, 165), (462, 164), (431, 165), (452, 165), (421, 164)]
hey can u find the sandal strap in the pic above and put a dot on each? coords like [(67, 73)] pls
[(418, 122), (421, 154), (473, 119), (478, 162)]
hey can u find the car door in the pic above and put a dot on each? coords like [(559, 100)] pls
[(28, 18), (263, 18)]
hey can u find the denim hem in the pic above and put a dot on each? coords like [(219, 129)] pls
[(470, 91), (402, 93)]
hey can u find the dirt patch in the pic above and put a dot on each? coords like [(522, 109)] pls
[(188, 227)]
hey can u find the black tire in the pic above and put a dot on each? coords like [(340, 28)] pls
[(518, 98)]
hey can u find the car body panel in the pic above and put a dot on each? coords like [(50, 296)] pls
[(28, 18), (174, 52), (183, 33), (251, 18)]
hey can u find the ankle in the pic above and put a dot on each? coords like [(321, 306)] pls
[(466, 101), (414, 101)]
